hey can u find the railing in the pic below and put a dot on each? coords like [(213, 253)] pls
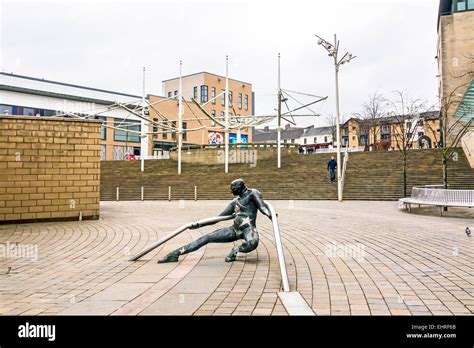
[(233, 146), (465, 145), (142, 193), (279, 245), (346, 149), (344, 167)]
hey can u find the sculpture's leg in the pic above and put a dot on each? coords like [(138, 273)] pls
[(250, 235), (222, 235)]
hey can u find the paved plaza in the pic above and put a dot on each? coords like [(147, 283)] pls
[(351, 258)]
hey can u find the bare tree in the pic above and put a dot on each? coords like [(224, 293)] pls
[(331, 121), (373, 110), (405, 114)]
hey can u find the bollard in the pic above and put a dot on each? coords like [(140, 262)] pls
[(143, 192), (117, 194), (195, 193), (169, 193), (80, 216)]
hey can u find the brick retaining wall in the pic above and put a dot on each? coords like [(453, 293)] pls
[(49, 169)]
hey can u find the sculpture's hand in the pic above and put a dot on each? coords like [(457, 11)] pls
[(194, 226)]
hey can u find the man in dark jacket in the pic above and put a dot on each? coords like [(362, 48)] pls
[(332, 165)]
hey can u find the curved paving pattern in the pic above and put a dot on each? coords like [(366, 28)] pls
[(354, 258)]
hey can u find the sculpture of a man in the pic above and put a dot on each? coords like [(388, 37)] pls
[(244, 209)]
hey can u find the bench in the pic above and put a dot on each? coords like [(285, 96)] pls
[(439, 197)]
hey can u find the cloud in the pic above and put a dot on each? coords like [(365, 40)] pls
[(104, 44)]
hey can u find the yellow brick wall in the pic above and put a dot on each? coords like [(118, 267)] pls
[(49, 168), (455, 54)]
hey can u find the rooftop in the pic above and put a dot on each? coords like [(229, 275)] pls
[(64, 84), (207, 73)]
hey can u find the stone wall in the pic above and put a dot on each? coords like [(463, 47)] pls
[(240, 154), (49, 169)]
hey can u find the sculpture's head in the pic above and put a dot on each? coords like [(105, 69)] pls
[(237, 187)]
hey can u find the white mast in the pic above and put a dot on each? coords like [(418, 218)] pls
[(144, 132), (180, 116), (226, 135), (279, 117)]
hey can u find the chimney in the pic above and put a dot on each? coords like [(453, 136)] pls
[(287, 126)]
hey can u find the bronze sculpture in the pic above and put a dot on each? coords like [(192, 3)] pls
[(244, 210)]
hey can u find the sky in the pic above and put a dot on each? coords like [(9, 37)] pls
[(105, 44)]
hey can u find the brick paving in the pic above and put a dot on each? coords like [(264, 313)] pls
[(354, 258)]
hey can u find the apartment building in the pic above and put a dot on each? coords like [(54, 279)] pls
[(208, 90)]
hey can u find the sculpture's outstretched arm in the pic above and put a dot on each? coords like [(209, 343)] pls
[(229, 210), (261, 204)]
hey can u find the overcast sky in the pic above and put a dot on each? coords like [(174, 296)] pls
[(105, 44)]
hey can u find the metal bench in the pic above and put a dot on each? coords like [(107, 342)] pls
[(438, 197)]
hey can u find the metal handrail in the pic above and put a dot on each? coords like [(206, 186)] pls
[(239, 145), (279, 245), (344, 167), (466, 147)]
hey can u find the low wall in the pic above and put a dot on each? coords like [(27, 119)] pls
[(49, 169), (242, 153)]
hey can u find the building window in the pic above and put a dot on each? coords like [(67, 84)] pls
[(173, 132), (169, 94), (185, 135), (213, 113), (459, 5), (240, 101), (470, 4), (155, 127), (213, 95), (195, 93), (230, 98), (315, 140), (129, 130), (165, 128), (204, 95), (223, 97), (222, 115), (325, 139), (176, 95), (103, 130), (103, 153), (305, 141), (246, 102)]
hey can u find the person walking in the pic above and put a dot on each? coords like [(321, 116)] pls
[(332, 165)]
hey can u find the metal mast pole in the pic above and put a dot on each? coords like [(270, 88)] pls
[(338, 134), (226, 135), (180, 116), (279, 116), (144, 132)]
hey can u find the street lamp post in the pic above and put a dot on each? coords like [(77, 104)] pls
[(333, 50)]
